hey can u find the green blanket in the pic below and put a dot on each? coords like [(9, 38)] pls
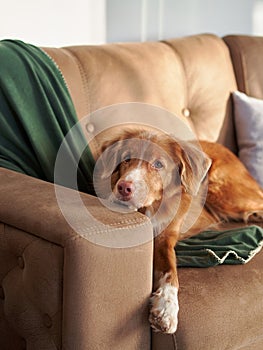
[(36, 112), (211, 248)]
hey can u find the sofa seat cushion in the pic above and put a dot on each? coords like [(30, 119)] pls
[(220, 308), (221, 305)]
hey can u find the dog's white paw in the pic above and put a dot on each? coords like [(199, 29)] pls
[(164, 309)]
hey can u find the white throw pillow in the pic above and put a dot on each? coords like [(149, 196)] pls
[(248, 112)]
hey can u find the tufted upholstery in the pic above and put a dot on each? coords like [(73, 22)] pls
[(178, 75), (208, 98), (37, 320), (61, 291)]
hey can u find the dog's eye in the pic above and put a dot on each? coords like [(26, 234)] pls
[(157, 164), (127, 158)]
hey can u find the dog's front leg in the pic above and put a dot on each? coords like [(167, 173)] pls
[(164, 300)]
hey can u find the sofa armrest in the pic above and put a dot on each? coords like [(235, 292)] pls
[(102, 292)]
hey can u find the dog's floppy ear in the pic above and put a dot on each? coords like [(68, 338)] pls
[(194, 166), (109, 159)]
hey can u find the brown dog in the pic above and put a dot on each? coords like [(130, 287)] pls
[(159, 176)]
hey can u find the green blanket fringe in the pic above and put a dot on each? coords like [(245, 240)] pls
[(211, 248)]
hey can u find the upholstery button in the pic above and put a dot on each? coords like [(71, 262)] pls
[(186, 112), (47, 321), (90, 128), (21, 262), (2, 293)]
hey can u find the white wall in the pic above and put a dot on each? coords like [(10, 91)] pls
[(258, 18), (73, 22), (159, 19), (54, 22)]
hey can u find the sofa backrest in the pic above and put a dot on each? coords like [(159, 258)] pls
[(246, 53), (191, 77)]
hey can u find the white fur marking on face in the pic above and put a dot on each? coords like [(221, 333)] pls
[(164, 308), (135, 175)]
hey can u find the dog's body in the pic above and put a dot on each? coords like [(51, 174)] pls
[(160, 177)]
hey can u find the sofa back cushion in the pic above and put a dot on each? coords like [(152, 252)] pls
[(246, 53), (191, 77), (209, 79)]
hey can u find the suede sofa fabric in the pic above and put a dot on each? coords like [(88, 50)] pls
[(246, 52), (176, 75), (60, 291)]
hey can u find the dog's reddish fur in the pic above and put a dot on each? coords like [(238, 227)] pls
[(232, 193)]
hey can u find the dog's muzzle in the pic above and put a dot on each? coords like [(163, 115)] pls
[(131, 193)]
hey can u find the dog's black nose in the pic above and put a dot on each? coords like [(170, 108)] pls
[(125, 189)]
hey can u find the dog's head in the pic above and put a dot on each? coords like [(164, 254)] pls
[(143, 167)]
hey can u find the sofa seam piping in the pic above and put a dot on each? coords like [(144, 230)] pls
[(176, 53), (108, 231), (84, 78)]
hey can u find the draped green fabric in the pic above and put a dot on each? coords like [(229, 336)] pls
[(36, 113), (211, 248)]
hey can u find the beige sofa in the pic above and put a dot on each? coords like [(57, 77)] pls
[(61, 291)]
